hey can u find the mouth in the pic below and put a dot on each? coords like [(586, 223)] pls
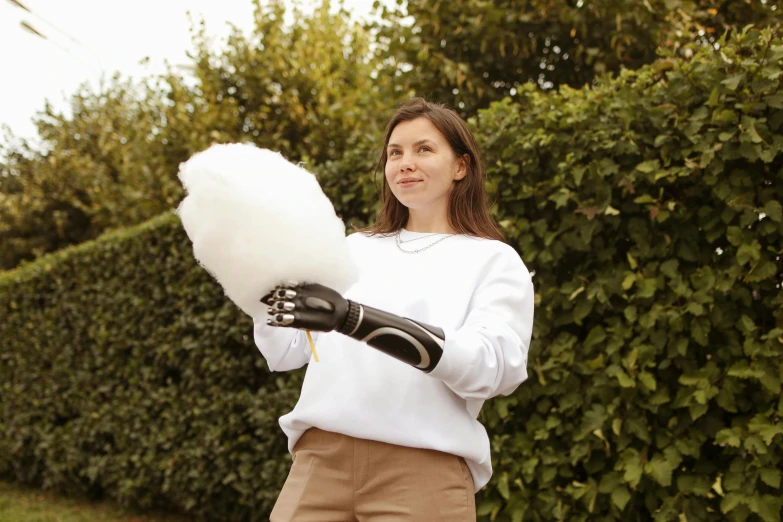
[(408, 181)]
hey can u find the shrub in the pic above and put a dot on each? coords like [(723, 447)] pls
[(649, 209), (126, 372)]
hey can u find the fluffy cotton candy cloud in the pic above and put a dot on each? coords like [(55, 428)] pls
[(256, 220)]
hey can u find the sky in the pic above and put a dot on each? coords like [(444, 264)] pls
[(86, 39)]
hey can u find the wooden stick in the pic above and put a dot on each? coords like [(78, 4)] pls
[(312, 345)]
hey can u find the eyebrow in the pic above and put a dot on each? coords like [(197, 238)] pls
[(420, 142)]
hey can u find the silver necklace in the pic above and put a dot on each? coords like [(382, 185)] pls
[(416, 238), (397, 240)]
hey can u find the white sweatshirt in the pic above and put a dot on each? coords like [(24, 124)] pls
[(477, 290)]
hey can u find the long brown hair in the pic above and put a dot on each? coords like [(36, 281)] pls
[(468, 209)]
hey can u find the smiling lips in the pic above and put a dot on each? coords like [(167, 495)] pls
[(408, 181)]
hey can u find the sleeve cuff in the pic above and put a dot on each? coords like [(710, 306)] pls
[(453, 363)]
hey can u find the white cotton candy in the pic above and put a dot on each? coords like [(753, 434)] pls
[(257, 220)]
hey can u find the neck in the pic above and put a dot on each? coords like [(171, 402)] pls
[(423, 222)]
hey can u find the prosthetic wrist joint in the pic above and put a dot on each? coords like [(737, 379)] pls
[(411, 342)]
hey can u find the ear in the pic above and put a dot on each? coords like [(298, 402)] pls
[(462, 167)]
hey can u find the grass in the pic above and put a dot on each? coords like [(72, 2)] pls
[(23, 504)]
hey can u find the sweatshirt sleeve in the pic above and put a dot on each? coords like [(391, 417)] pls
[(487, 356), (283, 348)]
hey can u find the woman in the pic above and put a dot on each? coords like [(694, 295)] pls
[(440, 320)]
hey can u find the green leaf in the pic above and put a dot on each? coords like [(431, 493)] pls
[(728, 437), (752, 133), (770, 477), (561, 197), (731, 501), (775, 101), (764, 269), (774, 211), (771, 381), (607, 167), (742, 370), (727, 135), (637, 426), (581, 309), (726, 400), (748, 252), (644, 199), (633, 472), (648, 166), (646, 288), (700, 329), (486, 507), (697, 410), (620, 497), (648, 381), (734, 235), (519, 512), (624, 380), (695, 308), (732, 82), (714, 96), (746, 324), (703, 279), (765, 428), (660, 470), (725, 115), (661, 139), (754, 444), (669, 268), (767, 507), (503, 486), (596, 336)]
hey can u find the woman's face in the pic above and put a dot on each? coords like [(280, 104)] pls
[(418, 151)]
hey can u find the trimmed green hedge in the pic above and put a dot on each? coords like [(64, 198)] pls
[(649, 209), (125, 371)]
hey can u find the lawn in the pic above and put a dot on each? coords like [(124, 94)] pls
[(22, 504)]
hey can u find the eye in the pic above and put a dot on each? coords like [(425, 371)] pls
[(393, 152), (424, 147)]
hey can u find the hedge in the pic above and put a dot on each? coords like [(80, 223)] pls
[(127, 373), (648, 207)]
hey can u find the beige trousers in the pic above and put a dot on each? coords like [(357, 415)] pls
[(336, 478)]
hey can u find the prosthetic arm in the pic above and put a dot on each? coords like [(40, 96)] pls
[(319, 308)]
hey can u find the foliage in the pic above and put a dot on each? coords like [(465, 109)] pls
[(319, 91), (104, 168), (650, 209), (471, 52), (127, 373), (304, 90)]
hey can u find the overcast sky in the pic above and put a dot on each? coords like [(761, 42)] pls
[(87, 37)]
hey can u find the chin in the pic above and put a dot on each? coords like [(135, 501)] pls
[(410, 202)]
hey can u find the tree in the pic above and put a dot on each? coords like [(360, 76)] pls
[(304, 90), (471, 52)]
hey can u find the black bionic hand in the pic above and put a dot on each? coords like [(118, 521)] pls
[(306, 306), (319, 308)]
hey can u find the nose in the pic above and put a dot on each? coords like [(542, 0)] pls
[(406, 164)]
